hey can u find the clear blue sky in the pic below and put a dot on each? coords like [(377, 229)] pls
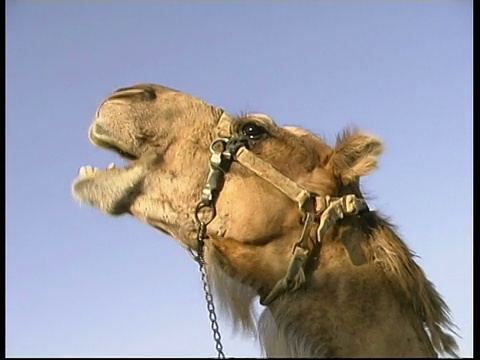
[(82, 284)]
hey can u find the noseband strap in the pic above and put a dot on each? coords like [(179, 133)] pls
[(273, 176)]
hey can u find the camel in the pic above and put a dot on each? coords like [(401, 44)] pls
[(279, 217)]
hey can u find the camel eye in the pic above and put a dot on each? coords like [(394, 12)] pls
[(253, 131)]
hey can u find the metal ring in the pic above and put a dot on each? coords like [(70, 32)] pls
[(202, 205), (215, 142)]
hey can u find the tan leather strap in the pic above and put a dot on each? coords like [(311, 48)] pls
[(224, 126), (273, 176), (262, 168)]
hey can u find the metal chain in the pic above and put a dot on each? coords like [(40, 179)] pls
[(220, 160), (202, 229)]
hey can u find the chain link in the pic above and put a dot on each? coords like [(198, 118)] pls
[(202, 228)]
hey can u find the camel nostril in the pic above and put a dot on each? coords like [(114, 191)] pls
[(126, 96), (139, 92)]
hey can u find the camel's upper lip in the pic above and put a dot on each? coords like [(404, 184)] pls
[(101, 138)]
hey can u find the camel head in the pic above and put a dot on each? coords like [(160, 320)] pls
[(169, 142), (165, 135)]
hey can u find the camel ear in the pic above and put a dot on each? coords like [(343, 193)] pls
[(355, 154)]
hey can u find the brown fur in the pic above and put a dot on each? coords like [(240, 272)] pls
[(381, 306)]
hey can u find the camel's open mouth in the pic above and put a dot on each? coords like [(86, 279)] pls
[(112, 147)]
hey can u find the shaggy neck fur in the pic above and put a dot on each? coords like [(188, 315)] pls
[(281, 330)]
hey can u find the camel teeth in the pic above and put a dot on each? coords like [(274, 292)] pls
[(111, 166), (87, 170)]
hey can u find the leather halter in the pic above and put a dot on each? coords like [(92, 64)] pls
[(321, 211)]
